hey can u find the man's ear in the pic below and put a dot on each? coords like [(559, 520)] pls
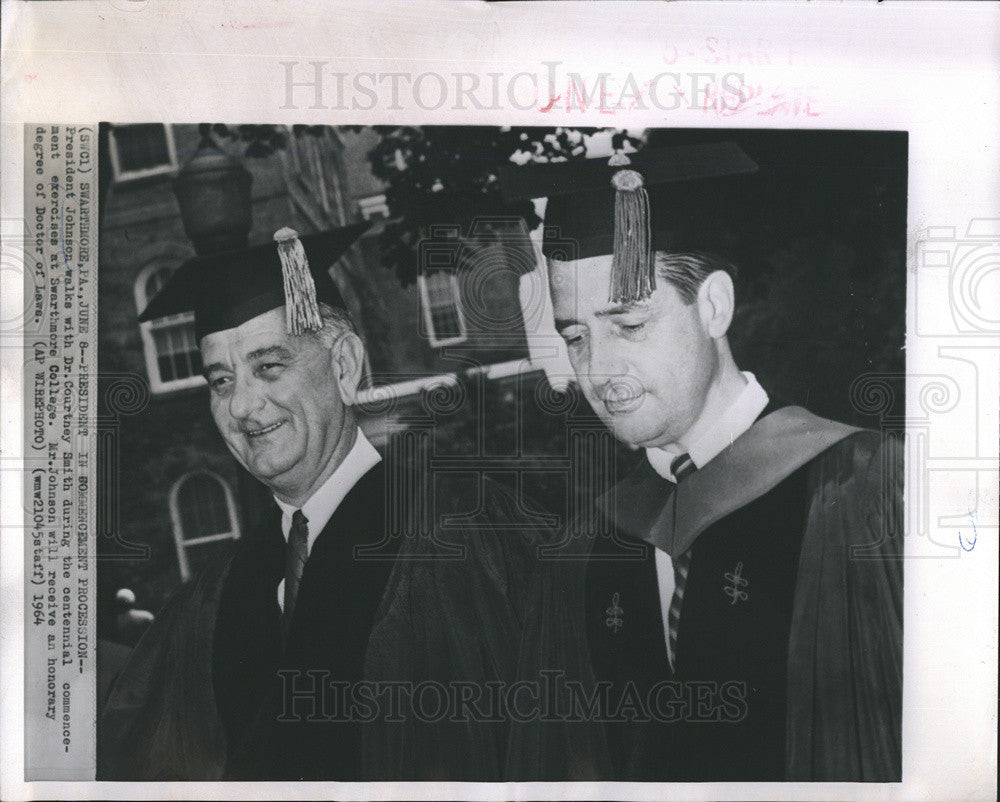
[(348, 365), (716, 301)]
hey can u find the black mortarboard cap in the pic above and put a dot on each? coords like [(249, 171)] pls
[(225, 290), (627, 206)]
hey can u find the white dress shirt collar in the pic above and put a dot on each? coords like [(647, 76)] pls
[(734, 421), (324, 502)]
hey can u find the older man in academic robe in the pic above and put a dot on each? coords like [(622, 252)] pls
[(257, 669)]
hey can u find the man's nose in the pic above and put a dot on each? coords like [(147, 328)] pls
[(245, 400), (603, 365)]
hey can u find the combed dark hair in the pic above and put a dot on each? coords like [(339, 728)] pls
[(686, 270)]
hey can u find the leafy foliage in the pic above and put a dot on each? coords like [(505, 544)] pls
[(261, 140), (449, 175), (437, 175)]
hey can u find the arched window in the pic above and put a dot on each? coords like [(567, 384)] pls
[(203, 512), (173, 360)]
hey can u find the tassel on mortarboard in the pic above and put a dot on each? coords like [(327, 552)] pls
[(301, 307), (632, 267)]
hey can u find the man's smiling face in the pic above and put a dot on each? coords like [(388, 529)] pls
[(646, 368), (275, 399)]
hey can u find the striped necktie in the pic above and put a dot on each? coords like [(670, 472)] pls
[(296, 554), (681, 467)]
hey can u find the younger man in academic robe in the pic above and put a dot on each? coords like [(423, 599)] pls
[(745, 615)]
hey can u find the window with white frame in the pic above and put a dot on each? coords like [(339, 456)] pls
[(173, 360), (374, 207), (203, 513), (442, 307), (141, 151)]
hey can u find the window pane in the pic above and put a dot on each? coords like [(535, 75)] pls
[(141, 147), (445, 323), (166, 366), (182, 365), (442, 303), (439, 290), (177, 354), (201, 503)]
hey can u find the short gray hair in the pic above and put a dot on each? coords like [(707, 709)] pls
[(336, 322)]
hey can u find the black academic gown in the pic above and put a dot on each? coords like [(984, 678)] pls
[(789, 650), (206, 692), (199, 697), (278, 699), (721, 712), (453, 618)]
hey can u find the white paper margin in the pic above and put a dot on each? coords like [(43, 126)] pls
[(927, 68)]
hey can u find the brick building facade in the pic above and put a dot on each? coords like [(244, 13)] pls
[(173, 497)]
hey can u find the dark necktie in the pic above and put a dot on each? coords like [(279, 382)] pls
[(681, 467), (296, 554)]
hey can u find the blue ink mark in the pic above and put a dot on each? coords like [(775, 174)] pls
[(973, 516)]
